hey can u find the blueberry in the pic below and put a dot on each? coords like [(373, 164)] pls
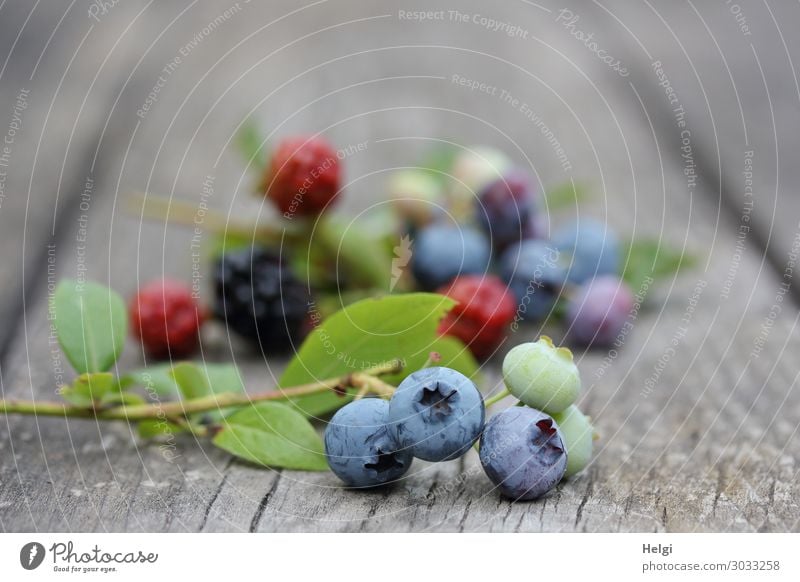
[(436, 414), (542, 375), (441, 252), (523, 453), (578, 434), (535, 275), (505, 209), (591, 248), (598, 311), (359, 448)]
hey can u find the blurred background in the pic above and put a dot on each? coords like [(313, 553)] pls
[(678, 119)]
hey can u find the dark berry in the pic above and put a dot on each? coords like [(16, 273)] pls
[(506, 210), (259, 298), (484, 311), (523, 453), (589, 248), (166, 318), (534, 272), (303, 176), (598, 311), (441, 252)]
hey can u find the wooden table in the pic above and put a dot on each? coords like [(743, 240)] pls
[(660, 113)]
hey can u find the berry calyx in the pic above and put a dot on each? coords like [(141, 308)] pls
[(166, 318), (303, 176)]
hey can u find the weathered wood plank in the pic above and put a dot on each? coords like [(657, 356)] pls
[(733, 67)]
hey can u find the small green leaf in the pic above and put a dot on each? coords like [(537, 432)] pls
[(91, 322), (157, 428), (274, 435), (565, 195), (250, 144), (647, 258), (347, 251), (118, 397), (198, 380), (155, 379), (439, 161), (89, 389), (368, 333)]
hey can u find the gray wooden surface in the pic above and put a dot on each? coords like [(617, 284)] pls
[(699, 429)]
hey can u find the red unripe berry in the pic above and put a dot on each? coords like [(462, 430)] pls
[(484, 311), (166, 318), (303, 176)]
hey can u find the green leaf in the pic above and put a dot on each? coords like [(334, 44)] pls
[(99, 388), (565, 195), (157, 379), (347, 251), (368, 333), (118, 398), (250, 144), (198, 380), (157, 428), (440, 161), (88, 389), (91, 323), (274, 435), (647, 258)]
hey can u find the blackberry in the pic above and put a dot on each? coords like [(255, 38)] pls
[(260, 299)]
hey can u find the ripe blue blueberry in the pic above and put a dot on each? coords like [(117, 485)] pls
[(505, 209), (441, 252), (436, 414), (523, 453), (535, 275), (359, 448), (590, 249), (599, 310)]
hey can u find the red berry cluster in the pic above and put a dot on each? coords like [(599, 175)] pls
[(303, 176), (482, 315), (166, 318)]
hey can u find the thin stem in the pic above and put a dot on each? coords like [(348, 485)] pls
[(180, 409), (186, 214), (497, 397)]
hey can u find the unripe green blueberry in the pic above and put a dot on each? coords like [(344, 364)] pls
[(542, 375), (417, 196), (578, 434), (472, 170)]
